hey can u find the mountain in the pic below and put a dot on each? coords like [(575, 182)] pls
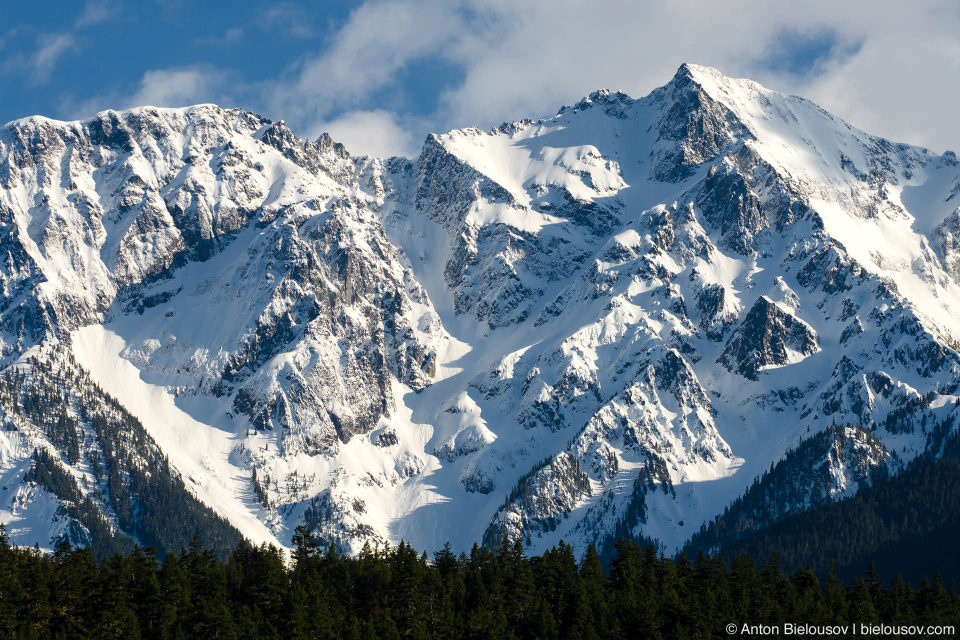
[(613, 322), (902, 525)]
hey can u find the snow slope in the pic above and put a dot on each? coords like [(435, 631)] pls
[(605, 323)]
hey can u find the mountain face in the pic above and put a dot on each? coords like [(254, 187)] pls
[(611, 322)]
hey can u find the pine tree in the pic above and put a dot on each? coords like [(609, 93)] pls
[(208, 613), (11, 592), (593, 608)]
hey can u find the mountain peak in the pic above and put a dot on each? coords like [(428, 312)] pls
[(691, 71), (697, 121), (722, 88), (534, 311), (325, 142), (699, 75), (699, 72)]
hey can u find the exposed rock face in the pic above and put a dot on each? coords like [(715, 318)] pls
[(128, 200), (946, 242), (733, 207), (603, 324), (695, 129), (507, 245), (767, 337)]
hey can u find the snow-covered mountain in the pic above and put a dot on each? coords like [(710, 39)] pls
[(611, 322)]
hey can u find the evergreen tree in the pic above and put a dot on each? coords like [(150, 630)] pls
[(11, 592), (392, 592)]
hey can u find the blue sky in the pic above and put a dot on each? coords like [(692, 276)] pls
[(381, 74)]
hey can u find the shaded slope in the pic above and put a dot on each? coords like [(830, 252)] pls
[(114, 484), (906, 524)]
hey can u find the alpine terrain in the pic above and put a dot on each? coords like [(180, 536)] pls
[(695, 313)]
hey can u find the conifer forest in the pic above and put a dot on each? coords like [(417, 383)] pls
[(395, 592)]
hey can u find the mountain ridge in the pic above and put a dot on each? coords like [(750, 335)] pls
[(616, 317)]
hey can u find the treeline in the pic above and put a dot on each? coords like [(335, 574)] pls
[(802, 479), (906, 523), (394, 592), (131, 492)]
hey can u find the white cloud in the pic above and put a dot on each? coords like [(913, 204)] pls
[(899, 82), (896, 75), (177, 87), (289, 17), (7, 36), (52, 48), (902, 83), (96, 12), (886, 67), (231, 36), (368, 53), (374, 133), (378, 40)]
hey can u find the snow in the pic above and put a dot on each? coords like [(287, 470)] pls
[(601, 318), (199, 452)]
